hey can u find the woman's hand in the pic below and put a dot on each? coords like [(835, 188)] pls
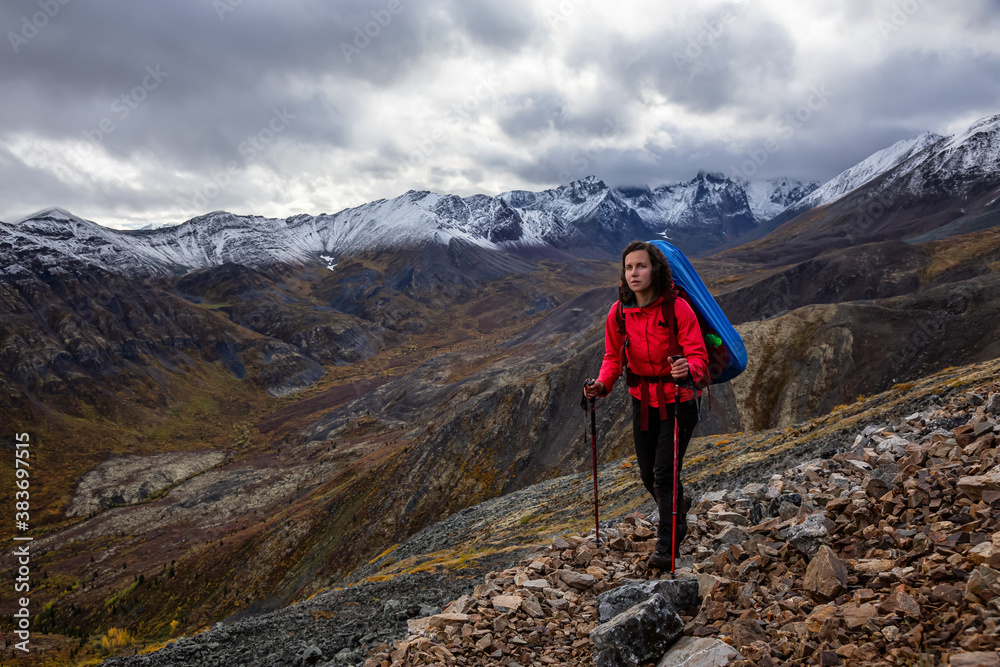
[(593, 389), (679, 370)]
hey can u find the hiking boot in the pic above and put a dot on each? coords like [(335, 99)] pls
[(659, 560)]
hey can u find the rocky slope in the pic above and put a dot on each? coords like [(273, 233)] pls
[(880, 551), (307, 496)]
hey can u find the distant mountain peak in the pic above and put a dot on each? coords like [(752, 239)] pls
[(711, 176), (871, 167), (988, 125), (54, 213)]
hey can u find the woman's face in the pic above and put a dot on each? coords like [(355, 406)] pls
[(638, 271)]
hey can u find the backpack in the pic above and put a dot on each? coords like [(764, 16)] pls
[(727, 357)]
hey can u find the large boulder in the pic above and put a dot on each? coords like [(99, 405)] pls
[(681, 593), (641, 634), (826, 575)]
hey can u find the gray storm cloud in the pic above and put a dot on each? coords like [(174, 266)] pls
[(129, 113)]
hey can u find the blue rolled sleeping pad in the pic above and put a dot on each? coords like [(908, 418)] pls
[(688, 279)]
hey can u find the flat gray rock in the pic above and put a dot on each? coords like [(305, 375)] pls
[(699, 652)]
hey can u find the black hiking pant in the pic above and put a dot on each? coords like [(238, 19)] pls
[(654, 451)]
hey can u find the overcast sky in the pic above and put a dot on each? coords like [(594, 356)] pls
[(132, 111)]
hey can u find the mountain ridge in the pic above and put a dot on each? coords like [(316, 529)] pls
[(582, 218)]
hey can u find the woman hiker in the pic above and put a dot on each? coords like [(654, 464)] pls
[(657, 348)]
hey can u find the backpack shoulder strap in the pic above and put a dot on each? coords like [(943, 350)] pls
[(667, 307), (620, 319)]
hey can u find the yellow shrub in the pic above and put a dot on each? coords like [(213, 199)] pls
[(115, 639)]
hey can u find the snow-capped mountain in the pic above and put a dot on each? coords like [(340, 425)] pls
[(947, 187), (712, 197), (874, 165), (583, 213), (769, 198), (966, 164), (582, 218), (712, 210), (708, 198)]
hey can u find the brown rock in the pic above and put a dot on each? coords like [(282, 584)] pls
[(730, 517), (576, 580), (507, 603), (856, 615), (558, 603), (620, 544), (444, 620), (559, 543), (864, 595), (442, 652), (829, 658), (747, 632), (948, 593), (715, 611), (826, 575), (872, 565), (708, 583), (533, 608), (847, 650), (899, 602), (975, 659), (837, 505), (643, 533), (401, 650), (819, 616), (985, 553), (974, 486), (418, 625), (876, 488), (460, 606), (647, 547), (500, 623), (983, 583)]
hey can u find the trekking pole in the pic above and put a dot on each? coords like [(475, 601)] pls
[(593, 449), (677, 407)]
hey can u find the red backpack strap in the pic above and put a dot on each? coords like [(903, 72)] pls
[(620, 319), (667, 307)]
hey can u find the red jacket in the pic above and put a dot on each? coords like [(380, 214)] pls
[(648, 342)]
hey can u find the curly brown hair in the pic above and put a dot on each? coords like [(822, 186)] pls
[(662, 278)]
